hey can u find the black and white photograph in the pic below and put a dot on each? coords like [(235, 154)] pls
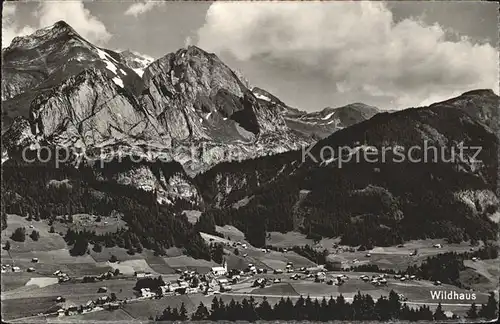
[(250, 161)]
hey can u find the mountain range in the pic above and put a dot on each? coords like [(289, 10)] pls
[(209, 141)]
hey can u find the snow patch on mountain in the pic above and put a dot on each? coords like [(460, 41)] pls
[(262, 97), (139, 72), (107, 59), (328, 116), (118, 82)]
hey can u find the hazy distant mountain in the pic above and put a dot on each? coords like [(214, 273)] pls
[(319, 124), (136, 61)]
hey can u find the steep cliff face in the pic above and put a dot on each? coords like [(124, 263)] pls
[(167, 180), (207, 108), (88, 110), (196, 96)]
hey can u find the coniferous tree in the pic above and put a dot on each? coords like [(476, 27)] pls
[(424, 313), (298, 311), (490, 310), (472, 312), (35, 235), (394, 304), (342, 308), (166, 315), (264, 310), (80, 247), (218, 253), (19, 234), (323, 313), (183, 312), (97, 247), (382, 309), (175, 314), (439, 314), (215, 310), (201, 313)]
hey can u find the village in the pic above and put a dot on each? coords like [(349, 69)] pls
[(218, 280), (112, 284)]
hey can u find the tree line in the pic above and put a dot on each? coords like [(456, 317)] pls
[(363, 307)]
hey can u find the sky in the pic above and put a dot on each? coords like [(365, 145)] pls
[(311, 55)]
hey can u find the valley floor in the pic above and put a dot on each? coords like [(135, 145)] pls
[(25, 295)]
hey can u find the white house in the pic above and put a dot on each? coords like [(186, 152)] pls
[(220, 271), (147, 293)]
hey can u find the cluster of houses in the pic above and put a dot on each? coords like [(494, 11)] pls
[(63, 277), (338, 281), (219, 279), (265, 282), (376, 280), (101, 303), (10, 268), (103, 276), (13, 268), (405, 277)]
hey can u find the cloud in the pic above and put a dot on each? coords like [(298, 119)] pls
[(10, 28), (47, 13), (140, 8), (75, 14), (359, 46)]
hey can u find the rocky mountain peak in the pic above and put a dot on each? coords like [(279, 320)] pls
[(204, 98), (57, 31), (35, 63)]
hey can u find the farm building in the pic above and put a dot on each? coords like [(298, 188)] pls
[(102, 300), (113, 306), (89, 305), (147, 293)]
